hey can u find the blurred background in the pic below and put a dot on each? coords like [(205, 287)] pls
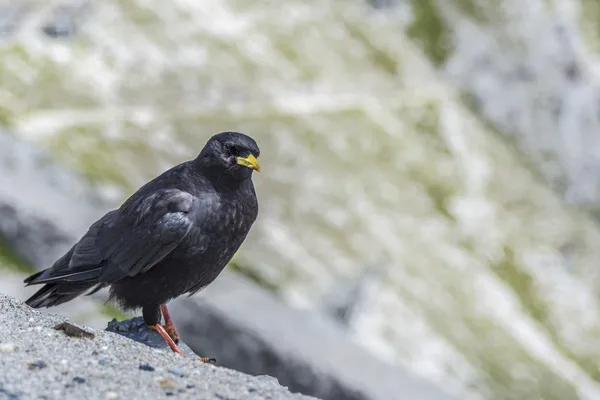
[(430, 168)]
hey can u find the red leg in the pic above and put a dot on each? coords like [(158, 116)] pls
[(169, 325), (170, 334), (162, 332)]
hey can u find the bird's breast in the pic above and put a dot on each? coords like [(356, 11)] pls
[(228, 224)]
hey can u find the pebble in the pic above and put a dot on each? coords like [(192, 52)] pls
[(37, 365), (177, 372), (167, 384), (7, 347), (146, 367), (78, 379)]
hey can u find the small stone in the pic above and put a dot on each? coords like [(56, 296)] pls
[(177, 372), (78, 379), (37, 365), (7, 347), (111, 395), (167, 384), (73, 331), (146, 367)]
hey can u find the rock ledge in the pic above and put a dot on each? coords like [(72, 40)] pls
[(39, 361)]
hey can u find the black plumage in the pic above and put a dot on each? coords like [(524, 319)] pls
[(173, 236)]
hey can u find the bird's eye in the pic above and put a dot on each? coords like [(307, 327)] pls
[(231, 149)]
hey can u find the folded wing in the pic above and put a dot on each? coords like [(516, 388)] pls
[(123, 243)]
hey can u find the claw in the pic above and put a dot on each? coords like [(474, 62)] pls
[(162, 332)]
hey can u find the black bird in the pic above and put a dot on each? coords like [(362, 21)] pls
[(173, 236)]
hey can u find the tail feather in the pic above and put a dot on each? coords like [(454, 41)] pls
[(71, 275), (61, 283), (54, 294), (33, 277)]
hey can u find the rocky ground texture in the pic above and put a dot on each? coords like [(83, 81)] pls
[(37, 361)]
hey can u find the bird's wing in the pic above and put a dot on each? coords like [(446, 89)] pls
[(137, 236)]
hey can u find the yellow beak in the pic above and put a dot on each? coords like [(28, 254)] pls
[(250, 162)]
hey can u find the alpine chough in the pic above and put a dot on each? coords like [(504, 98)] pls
[(173, 236)]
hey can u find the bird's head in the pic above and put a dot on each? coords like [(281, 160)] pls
[(231, 153)]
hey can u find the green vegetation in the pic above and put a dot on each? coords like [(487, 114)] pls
[(524, 287), (590, 23), (496, 353), (430, 30), (11, 260), (379, 57), (111, 311), (253, 275), (473, 10), (6, 116)]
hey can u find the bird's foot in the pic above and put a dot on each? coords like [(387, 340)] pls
[(167, 337), (172, 332), (169, 325), (162, 332)]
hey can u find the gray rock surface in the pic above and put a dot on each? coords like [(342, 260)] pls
[(38, 361)]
